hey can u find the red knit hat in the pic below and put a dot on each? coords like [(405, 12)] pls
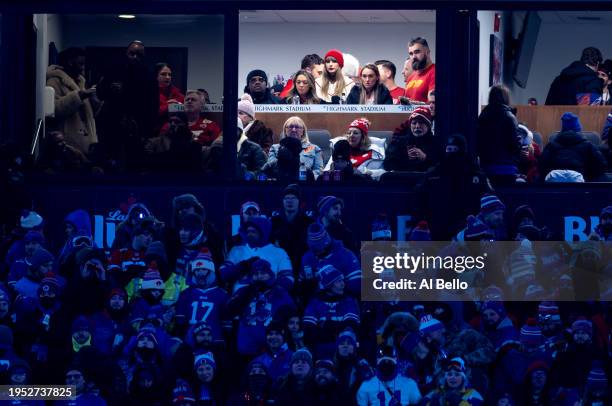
[(337, 55), (422, 112), (361, 123)]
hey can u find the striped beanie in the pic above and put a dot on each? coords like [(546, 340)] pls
[(152, 280), (423, 113), (597, 379), (328, 275), (202, 261), (207, 358), (582, 325), (548, 311), (531, 335), (420, 232), (490, 203), (430, 325), (318, 237), (476, 230), (497, 307), (326, 202)]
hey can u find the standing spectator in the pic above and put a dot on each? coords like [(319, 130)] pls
[(333, 84), (605, 74), (311, 157), (256, 386), (536, 389), (297, 388), (277, 357), (31, 242), (366, 157), (303, 87), (499, 144), (251, 157), (257, 88), (126, 263), (597, 390), (290, 226), (257, 304), (255, 130), (388, 386), (84, 394), (168, 93), (256, 235), (457, 178), (572, 151), (491, 217), (206, 391), (329, 390), (413, 146), (77, 227), (578, 79), (88, 287), (330, 217), (603, 231), (131, 105), (370, 89), (422, 80), (73, 107), (40, 264), (497, 326), (137, 213), (454, 389), (387, 71), (329, 313)]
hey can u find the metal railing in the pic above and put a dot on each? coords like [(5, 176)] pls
[(35, 141)]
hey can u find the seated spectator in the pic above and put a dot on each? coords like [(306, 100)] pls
[(77, 226), (84, 393), (257, 245), (73, 106), (329, 390), (257, 88), (370, 89), (255, 386), (258, 303), (333, 85), (277, 356), (57, 156), (310, 157), (387, 71), (246, 111), (402, 390), (366, 156), (329, 312), (497, 326), (311, 63), (498, 138), (489, 222), (195, 239), (297, 388), (168, 93), (597, 390), (251, 156), (286, 168), (40, 263), (413, 146), (18, 267), (454, 386), (136, 214), (530, 154), (578, 79), (572, 151), (150, 289), (255, 130), (351, 67), (304, 89), (203, 130), (340, 168), (206, 382), (126, 263), (175, 149), (457, 178), (605, 74)]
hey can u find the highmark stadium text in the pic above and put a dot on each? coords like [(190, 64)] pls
[(424, 284)]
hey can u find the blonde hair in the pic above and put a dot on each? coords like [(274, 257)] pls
[(340, 83), (365, 142), (375, 90), (296, 120)]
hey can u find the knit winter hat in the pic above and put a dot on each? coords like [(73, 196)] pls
[(294, 190), (145, 332), (328, 275), (522, 212), (6, 338), (476, 230), (337, 55), (456, 364), (351, 65), (34, 236), (526, 135), (185, 201), (347, 334), (86, 254), (420, 232), (597, 379), (262, 265), (582, 325), (118, 292), (157, 250), (430, 325), (246, 105), (531, 334), (326, 202), (202, 261), (30, 219), (492, 293), (152, 280), (207, 358), (497, 307), (570, 122), (182, 395), (49, 283), (362, 124), (40, 257), (191, 221), (490, 203), (318, 237), (538, 365), (256, 72), (381, 229), (548, 311), (326, 364), (201, 326), (248, 205), (302, 354), (535, 291), (81, 323), (422, 112)]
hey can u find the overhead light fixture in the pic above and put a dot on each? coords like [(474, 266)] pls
[(127, 16)]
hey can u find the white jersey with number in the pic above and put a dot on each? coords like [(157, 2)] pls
[(377, 393)]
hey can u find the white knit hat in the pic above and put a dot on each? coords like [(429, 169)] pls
[(246, 105)]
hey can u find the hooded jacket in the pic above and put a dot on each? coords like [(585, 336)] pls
[(498, 137), (576, 78), (75, 116), (570, 150)]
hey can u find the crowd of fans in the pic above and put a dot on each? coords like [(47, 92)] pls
[(176, 313)]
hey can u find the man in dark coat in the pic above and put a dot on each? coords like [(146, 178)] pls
[(257, 87), (579, 77), (131, 102), (458, 179), (571, 150)]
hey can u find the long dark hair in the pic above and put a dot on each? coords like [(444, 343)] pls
[(499, 94), (375, 90)]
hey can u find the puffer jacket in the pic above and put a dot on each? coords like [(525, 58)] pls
[(373, 166)]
